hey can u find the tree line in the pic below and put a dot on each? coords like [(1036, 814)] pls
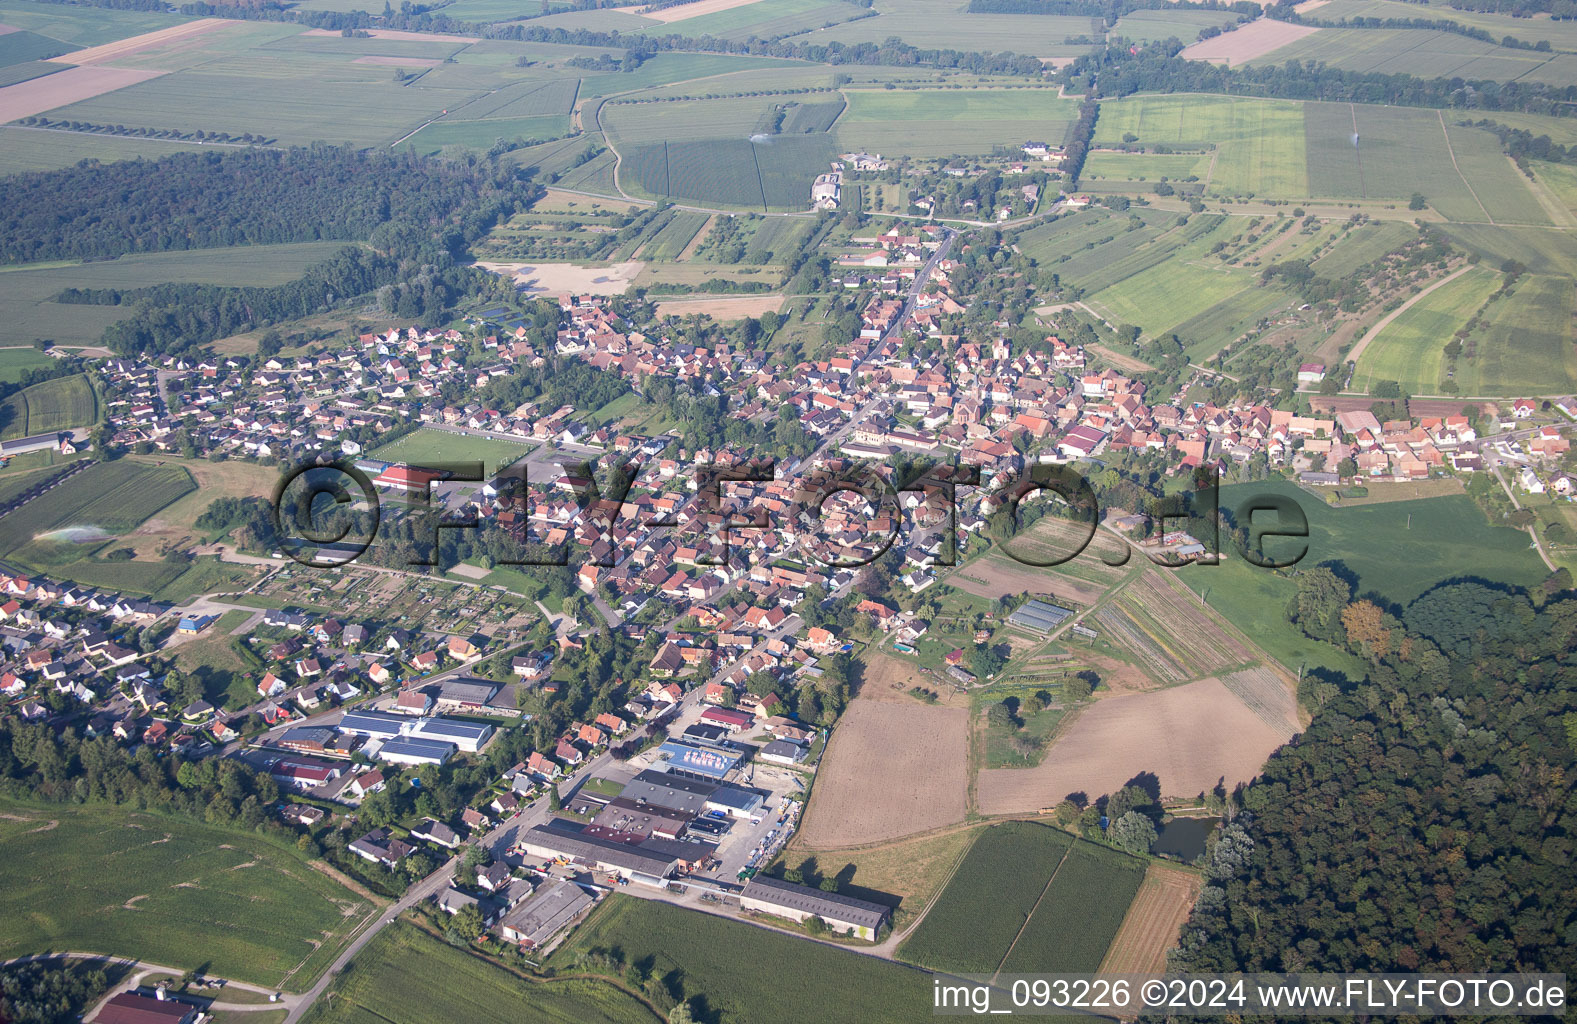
[(1158, 68)]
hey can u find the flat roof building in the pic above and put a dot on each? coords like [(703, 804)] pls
[(687, 796), (800, 903), (377, 724), (602, 854), (704, 762), (131, 1008), (413, 750), (468, 736)]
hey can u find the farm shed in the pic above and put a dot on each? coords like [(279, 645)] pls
[(800, 902)]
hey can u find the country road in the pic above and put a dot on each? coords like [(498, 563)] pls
[(1385, 321)]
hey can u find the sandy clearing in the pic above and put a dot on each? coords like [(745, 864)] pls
[(470, 572), (1244, 44), (732, 308), (146, 41), (684, 12), (569, 277), (399, 62), (64, 87), (394, 33), (892, 769), (1191, 737), (1153, 922)]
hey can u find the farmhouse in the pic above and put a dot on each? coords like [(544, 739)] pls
[(800, 903)]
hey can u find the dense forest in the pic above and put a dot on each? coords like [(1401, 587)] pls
[(95, 211), (1424, 820), (1158, 68), (417, 218)]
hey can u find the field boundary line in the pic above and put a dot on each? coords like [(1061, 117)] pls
[(1559, 215), (1027, 917), (1447, 134)]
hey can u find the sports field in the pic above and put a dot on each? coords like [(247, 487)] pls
[(383, 987), (13, 361), (748, 973), (59, 404), (427, 447), (117, 881)]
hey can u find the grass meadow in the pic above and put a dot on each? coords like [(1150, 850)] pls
[(15, 361), (747, 973), (452, 984), (118, 881), (1425, 53), (939, 123)]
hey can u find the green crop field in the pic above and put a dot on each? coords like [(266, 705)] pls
[(34, 149), (1526, 348), (427, 447), (367, 106), (1421, 52), (1259, 143), (935, 123), (1080, 913), (1562, 35), (1156, 26), (82, 26), (764, 19), (171, 891), (114, 497), (774, 174), (942, 24), (747, 973), (532, 98), (1387, 555), (975, 919), (59, 404), (1401, 150), (775, 239), (22, 47), (1363, 244), (666, 68), (671, 239), (1144, 166), (1542, 251), (383, 987), (736, 117), (483, 134), (1410, 350)]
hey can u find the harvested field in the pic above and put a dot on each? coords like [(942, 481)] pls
[(569, 277), (1242, 45), (1190, 737), (1174, 637), (733, 308), (996, 574), (394, 33), (399, 62), (64, 87), (6, 30), (146, 41), (1154, 921), (683, 12), (891, 769)]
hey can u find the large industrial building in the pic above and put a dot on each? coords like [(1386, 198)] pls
[(800, 903), (405, 740)]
